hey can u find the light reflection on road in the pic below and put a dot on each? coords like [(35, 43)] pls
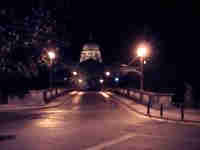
[(104, 94), (50, 120), (73, 93), (93, 121), (77, 98), (48, 123), (80, 93)]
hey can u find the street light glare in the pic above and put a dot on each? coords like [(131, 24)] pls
[(80, 80), (142, 51), (75, 73), (116, 79), (101, 81), (51, 55), (107, 73)]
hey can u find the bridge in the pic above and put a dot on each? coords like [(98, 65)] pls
[(92, 121)]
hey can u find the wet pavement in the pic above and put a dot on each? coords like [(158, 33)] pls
[(92, 121)]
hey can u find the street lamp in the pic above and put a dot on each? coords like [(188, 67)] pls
[(52, 57), (74, 73), (80, 81), (117, 79), (141, 53), (107, 73), (101, 81)]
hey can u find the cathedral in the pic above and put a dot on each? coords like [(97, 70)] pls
[(91, 61), (91, 50)]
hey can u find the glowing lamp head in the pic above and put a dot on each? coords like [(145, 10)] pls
[(80, 80), (107, 73), (51, 55), (142, 51), (116, 79), (101, 81), (75, 73)]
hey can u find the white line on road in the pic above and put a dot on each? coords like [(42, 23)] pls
[(112, 142), (129, 136)]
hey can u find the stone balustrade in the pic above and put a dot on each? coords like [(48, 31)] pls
[(146, 96)]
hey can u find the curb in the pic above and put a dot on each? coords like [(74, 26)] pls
[(36, 107), (156, 117)]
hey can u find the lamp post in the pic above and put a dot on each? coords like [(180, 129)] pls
[(52, 57), (80, 83), (142, 52), (101, 81), (107, 79)]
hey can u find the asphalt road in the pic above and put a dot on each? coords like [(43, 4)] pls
[(92, 121)]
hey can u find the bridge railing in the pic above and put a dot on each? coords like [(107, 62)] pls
[(160, 103), (144, 97), (52, 93)]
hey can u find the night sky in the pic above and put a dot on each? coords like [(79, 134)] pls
[(171, 28)]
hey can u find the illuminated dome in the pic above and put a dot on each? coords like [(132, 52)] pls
[(91, 50), (91, 46)]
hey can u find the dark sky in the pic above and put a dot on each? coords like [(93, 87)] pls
[(171, 27)]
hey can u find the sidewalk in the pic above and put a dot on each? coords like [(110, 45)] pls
[(14, 107), (172, 113)]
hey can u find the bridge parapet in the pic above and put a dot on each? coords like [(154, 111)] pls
[(146, 96)]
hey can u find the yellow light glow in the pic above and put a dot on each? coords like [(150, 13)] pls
[(73, 93), (80, 80), (107, 73), (75, 73), (142, 51), (54, 111), (48, 123), (104, 94), (101, 81), (51, 55), (80, 93)]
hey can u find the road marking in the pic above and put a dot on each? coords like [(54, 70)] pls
[(129, 136), (112, 142)]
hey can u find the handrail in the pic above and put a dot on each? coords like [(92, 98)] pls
[(152, 93)]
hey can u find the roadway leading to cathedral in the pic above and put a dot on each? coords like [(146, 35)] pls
[(92, 121)]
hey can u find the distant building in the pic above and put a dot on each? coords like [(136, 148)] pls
[(92, 51)]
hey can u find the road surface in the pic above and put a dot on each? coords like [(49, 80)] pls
[(92, 121)]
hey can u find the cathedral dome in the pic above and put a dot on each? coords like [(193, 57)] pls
[(91, 46)]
